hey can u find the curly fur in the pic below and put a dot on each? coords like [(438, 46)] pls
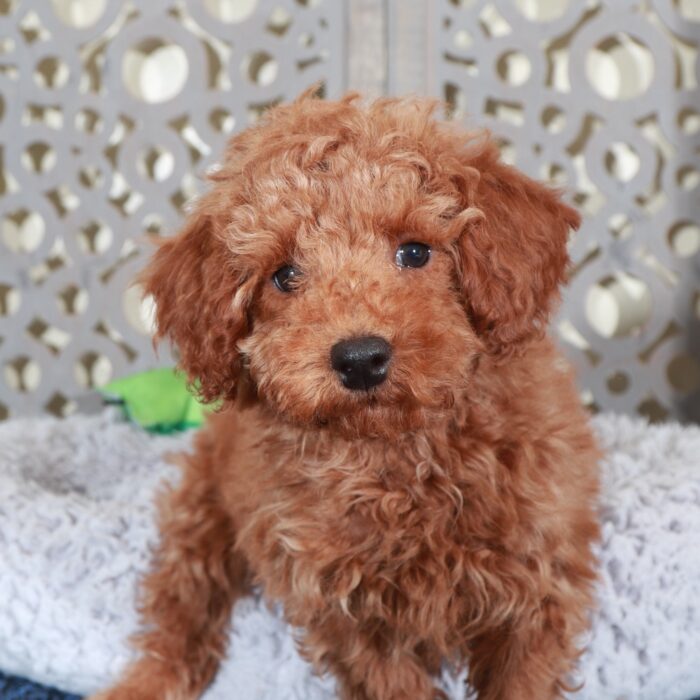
[(447, 514)]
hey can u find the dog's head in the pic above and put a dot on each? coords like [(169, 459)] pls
[(352, 263)]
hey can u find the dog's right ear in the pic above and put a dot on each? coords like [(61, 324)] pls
[(201, 306)]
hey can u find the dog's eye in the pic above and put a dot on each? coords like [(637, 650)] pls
[(284, 278), (412, 254)]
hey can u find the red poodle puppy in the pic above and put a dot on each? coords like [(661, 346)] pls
[(400, 457)]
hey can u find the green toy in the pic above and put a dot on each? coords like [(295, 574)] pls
[(158, 400)]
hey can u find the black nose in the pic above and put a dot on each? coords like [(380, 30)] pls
[(361, 362)]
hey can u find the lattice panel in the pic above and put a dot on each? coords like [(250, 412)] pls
[(109, 113), (603, 97)]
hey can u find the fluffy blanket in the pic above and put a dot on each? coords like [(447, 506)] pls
[(76, 520)]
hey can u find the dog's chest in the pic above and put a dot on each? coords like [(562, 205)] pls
[(367, 539)]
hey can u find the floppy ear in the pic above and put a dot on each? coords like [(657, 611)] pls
[(200, 305), (514, 257)]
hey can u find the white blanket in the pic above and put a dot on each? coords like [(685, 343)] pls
[(76, 520)]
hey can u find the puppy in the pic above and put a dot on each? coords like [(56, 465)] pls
[(400, 456)]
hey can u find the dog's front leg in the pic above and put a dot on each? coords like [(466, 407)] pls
[(530, 658), (371, 663), (188, 596)]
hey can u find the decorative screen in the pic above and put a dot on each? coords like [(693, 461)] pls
[(601, 97), (110, 114)]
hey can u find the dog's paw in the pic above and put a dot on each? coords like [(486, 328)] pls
[(123, 692), (146, 691), (119, 693), (148, 679)]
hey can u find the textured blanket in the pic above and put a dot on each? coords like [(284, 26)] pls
[(76, 521)]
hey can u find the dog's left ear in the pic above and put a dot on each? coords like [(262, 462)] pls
[(514, 257)]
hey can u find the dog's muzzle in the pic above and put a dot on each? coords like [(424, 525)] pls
[(361, 363)]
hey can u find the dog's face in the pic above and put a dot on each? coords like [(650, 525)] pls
[(354, 263), (358, 321)]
